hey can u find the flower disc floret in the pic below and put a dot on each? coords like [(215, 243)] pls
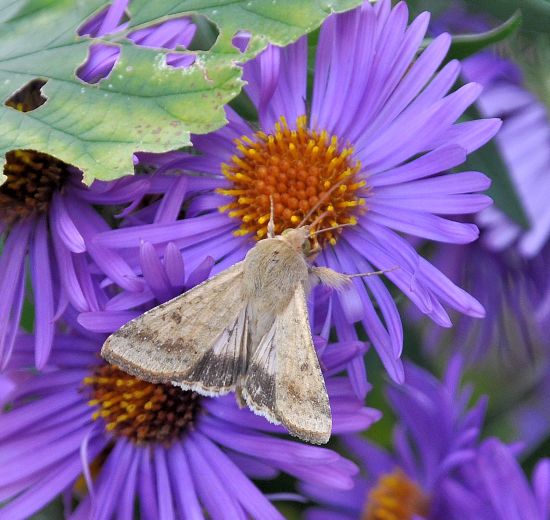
[(141, 411), (301, 169)]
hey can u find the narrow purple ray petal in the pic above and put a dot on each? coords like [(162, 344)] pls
[(43, 290), (163, 489), (212, 491), (248, 495), (102, 321), (11, 272), (182, 483), (65, 227)]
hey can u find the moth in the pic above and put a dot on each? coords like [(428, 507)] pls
[(244, 330)]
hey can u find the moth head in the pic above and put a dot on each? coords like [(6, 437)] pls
[(298, 238)]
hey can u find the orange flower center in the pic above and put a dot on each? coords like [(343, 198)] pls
[(303, 171), (143, 412), (395, 497)]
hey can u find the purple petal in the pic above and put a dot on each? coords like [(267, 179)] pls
[(43, 291), (65, 227)]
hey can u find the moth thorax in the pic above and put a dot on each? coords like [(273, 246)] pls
[(143, 412), (397, 497), (32, 178), (301, 169)]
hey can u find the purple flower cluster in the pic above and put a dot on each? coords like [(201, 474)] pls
[(367, 150)]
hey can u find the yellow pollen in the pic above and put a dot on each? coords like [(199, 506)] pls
[(301, 169), (395, 497), (143, 412)]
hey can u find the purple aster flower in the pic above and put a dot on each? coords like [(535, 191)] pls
[(371, 151), (176, 453), (179, 455), (47, 216), (495, 487), (507, 269), (435, 435)]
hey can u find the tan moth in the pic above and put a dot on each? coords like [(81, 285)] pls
[(244, 330)]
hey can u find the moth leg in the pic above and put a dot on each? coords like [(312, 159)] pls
[(336, 280), (328, 277)]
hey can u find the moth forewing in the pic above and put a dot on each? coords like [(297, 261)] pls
[(301, 402), (174, 340)]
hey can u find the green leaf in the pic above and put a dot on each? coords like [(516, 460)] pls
[(465, 45), (536, 13), (143, 105)]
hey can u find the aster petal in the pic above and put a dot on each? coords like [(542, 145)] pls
[(28, 445), (213, 493), (388, 251), (247, 493), (268, 448), (42, 457), (357, 373), (436, 161), (439, 204), (146, 485), (335, 476), (65, 227), (200, 273), (375, 329), (67, 273), (449, 292), (252, 467), (389, 43), (392, 147), (172, 201), (422, 224), (417, 77), (470, 135), (126, 300), (112, 264), (44, 491), (120, 191), (505, 483), (205, 227), (541, 485), (11, 272), (163, 488), (384, 300), (103, 321), (126, 500), (111, 481), (457, 183), (182, 483), (42, 285), (153, 272)]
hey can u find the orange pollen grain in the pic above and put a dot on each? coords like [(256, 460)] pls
[(395, 497), (300, 168), (141, 411)]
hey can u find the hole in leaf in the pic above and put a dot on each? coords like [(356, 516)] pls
[(240, 41), (110, 19), (99, 63), (28, 97), (206, 34)]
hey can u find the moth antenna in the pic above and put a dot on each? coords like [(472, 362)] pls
[(317, 220), (373, 273), (271, 223), (323, 198), (331, 228)]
